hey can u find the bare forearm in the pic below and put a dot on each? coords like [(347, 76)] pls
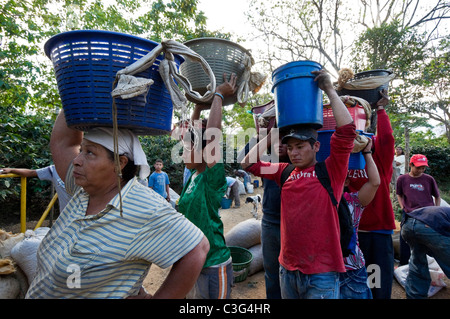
[(340, 111), (64, 144), (437, 201), (400, 201), (25, 172), (215, 115), (255, 153), (369, 189), (184, 273)]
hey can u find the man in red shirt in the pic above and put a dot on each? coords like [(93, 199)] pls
[(310, 255), (378, 222)]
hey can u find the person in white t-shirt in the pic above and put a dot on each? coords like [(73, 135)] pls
[(399, 160)]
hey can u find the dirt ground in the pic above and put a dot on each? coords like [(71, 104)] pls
[(251, 288)]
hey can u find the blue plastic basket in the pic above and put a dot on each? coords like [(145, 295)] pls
[(86, 63), (356, 160)]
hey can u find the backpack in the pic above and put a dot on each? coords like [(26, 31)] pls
[(347, 231)]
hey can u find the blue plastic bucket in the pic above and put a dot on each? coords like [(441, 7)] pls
[(225, 203), (356, 160), (298, 99), (86, 63)]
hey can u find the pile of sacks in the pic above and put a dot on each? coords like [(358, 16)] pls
[(247, 234), (18, 261)]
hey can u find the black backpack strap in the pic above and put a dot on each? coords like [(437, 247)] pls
[(285, 174), (324, 178)]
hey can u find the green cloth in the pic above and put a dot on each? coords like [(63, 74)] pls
[(199, 202)]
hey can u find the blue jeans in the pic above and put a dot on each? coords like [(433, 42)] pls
[(353, 284), (424, 241), (270, 241), (296, 285)]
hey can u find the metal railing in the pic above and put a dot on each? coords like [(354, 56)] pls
[(23, 200), (23, 203)]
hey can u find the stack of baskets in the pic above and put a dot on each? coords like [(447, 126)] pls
[(223, 56), (86, 63)]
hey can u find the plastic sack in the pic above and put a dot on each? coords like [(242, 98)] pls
[(9, 287), (24, 253), (245, 234), (257, 262), (436, 274), (8, 241), (241, 187)]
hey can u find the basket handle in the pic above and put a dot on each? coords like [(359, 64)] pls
[(171, 76), (169, 72)]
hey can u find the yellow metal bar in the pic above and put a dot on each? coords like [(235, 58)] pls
[(23, 204), (23, 200), (44, 215)]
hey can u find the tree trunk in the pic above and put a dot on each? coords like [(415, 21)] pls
[(407, 150)]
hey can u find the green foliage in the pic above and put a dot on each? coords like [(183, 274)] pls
[(24, 144), (421, 87), (438, 161)]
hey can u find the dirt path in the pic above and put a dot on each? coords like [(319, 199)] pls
[(251, 288)]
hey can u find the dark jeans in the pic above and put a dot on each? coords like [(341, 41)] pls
[(424, 241), (270, 240), (378, 250), (405, 250), (353, 284)]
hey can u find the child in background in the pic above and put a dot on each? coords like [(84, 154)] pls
[(159, 180)]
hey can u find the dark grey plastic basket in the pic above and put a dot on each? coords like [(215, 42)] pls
[(223, 56), (372, 96)]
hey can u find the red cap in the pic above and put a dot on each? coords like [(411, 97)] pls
[(419, 160)]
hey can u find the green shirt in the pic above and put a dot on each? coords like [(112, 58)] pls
[(199, 202)]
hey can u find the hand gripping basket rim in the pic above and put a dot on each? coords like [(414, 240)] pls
[(219, 40), (189, 68)]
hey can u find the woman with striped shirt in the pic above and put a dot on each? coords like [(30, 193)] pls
[(113, 229)]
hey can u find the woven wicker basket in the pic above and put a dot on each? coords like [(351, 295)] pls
[(223, 56)]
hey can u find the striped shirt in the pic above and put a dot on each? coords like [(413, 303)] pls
[(106, 255)]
